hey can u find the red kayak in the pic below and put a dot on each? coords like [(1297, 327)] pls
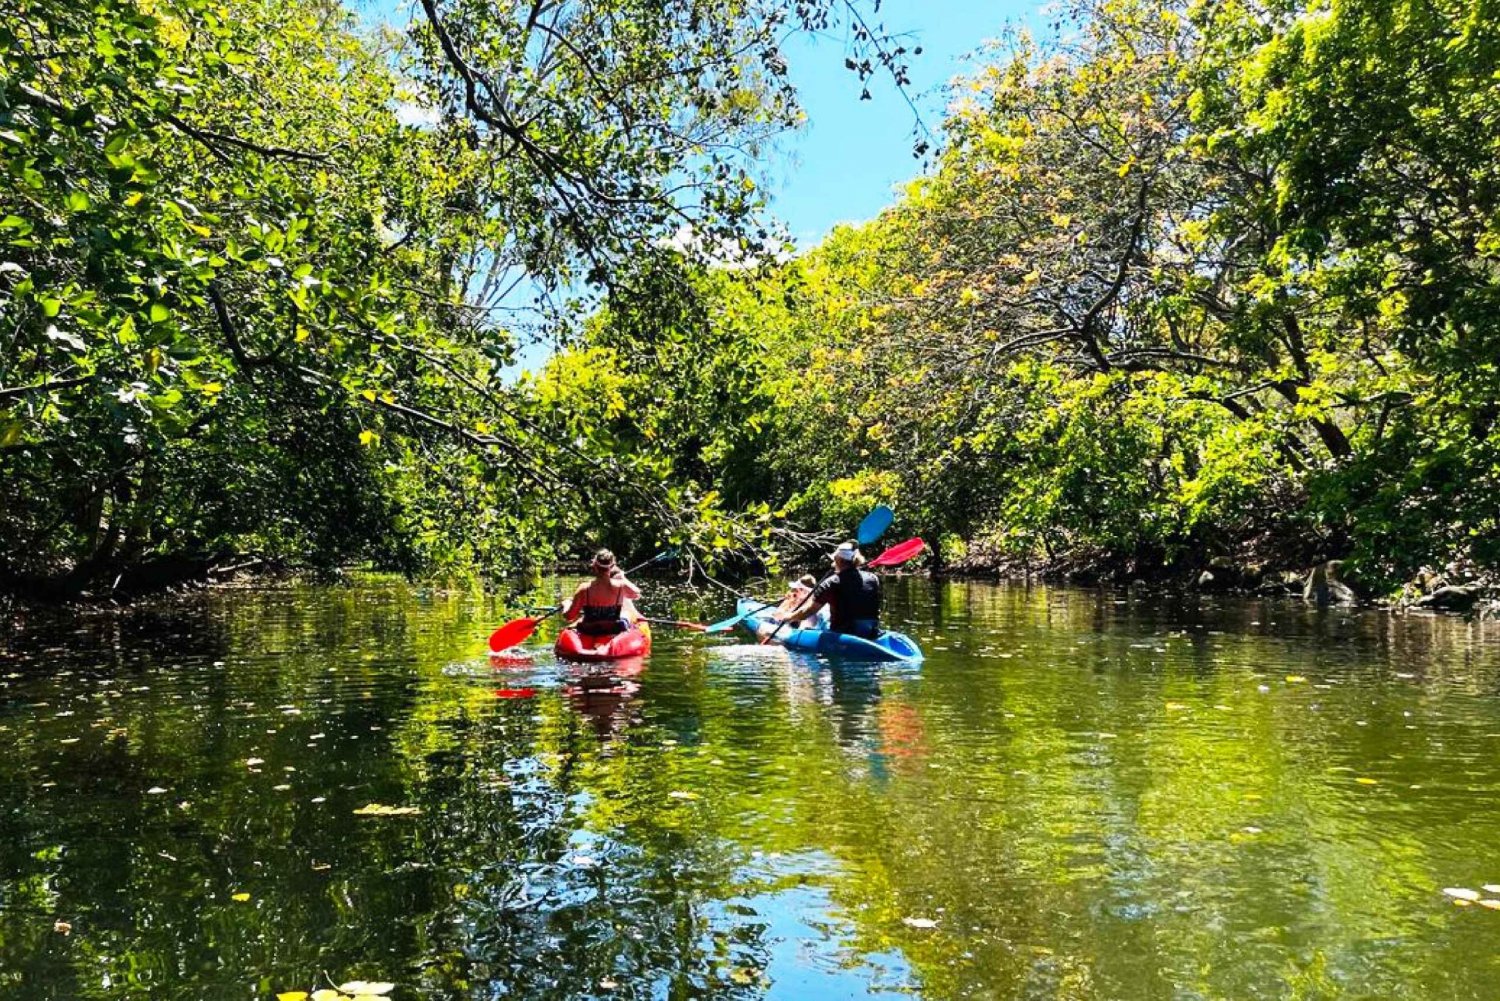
[(633, 642)]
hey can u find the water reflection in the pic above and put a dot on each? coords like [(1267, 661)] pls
[(1080, 795)]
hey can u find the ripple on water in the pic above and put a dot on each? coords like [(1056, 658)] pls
[(1080, 794)]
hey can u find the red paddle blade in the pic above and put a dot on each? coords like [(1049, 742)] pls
[(514, 693), (899, 553), (508, 635)]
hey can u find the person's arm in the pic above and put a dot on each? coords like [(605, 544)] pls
[(807, 612), (810, 606), (573, 607), (629, 590)]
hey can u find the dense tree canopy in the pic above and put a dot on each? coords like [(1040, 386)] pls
[(1188, 286), (1197, 286), (261, 271)]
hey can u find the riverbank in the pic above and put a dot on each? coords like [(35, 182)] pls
[(1460, 587)]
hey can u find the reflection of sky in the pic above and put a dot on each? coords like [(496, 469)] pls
[(810, 947)]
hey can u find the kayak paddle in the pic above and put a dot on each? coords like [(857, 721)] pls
[(870, 529), (520, 630), (696, 627), (898, 554), (724, 625), (894, 556), (874, 525)]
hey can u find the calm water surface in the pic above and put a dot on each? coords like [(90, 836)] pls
[(1081, 796)]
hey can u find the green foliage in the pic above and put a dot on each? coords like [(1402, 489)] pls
[(1194, 283), (1197, 284), (250, 307)]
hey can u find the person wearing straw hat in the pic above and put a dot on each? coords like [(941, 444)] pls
[(852, 594), (606, 603)]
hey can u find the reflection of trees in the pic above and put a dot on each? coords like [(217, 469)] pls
[(483, 894), (1093, 799)]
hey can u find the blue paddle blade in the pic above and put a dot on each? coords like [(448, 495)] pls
[(874, 525), (724, 625)]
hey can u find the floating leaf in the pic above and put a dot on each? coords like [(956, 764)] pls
[(1362, 780), (292, 996), (368, 437), (1295, 678), (241, 897), (381, 810)]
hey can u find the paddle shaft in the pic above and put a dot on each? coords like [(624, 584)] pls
[(902, 552), (679, 623), (500, 642)]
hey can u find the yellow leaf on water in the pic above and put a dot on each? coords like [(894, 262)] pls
[(1367, 782), (292, 996), (1295, 678), (381, 810), (302, 333), (241, 897), (368, 438)]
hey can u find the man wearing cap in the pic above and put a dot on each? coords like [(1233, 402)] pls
[(853, 594)]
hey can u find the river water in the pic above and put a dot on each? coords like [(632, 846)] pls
[(1080, 796)]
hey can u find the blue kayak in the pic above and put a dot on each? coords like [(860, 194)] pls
[(887, 646)]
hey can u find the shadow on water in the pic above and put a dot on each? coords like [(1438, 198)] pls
[(1080, 795)]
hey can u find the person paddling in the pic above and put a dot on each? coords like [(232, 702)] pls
[(853, 594), (791, 607), (605, 604)]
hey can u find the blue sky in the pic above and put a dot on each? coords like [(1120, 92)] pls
[(846, 163)]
